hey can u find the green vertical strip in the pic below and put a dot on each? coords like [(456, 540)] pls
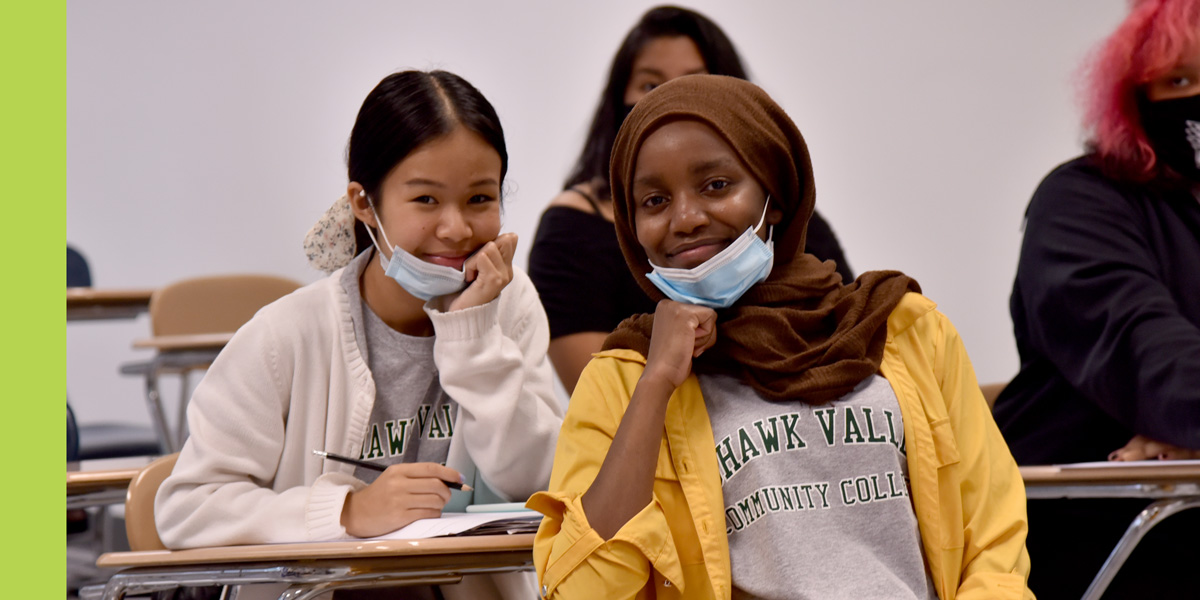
[(33, 51)]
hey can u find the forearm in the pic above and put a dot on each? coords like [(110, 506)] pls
[(571, 353), (502, 381), (624, 485)]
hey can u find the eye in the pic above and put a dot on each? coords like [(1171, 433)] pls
[(717, 185), (481, 199), (1180, 81), (425, 200), (649, 87), (654, 201)]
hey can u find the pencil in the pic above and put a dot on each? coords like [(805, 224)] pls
[(374, 467)]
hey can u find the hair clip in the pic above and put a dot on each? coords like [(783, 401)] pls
[(329, 245)]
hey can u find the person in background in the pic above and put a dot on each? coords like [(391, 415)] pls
[(424, 354), (585, 287), (768, 432), (1106, 307)]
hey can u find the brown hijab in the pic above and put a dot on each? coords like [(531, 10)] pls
[(800, 334)]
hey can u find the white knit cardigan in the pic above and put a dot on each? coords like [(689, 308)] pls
[(293, 380)]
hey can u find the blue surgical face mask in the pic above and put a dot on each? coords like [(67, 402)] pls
[(719, 281), (422, 279)]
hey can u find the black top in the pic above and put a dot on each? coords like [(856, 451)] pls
[(1106, 312), (581, 276), (579, 272)]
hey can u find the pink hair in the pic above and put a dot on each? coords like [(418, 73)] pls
[(1147, 44)]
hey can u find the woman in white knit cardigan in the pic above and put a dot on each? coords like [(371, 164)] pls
[(427, 357)]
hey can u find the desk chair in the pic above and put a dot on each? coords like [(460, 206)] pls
[(102, 440), (140, 527), (139, 504), (308, 570), (197, 307)]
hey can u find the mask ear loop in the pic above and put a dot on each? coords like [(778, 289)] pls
[(761, 220), (383, 233)]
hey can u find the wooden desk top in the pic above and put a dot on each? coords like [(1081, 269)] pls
[(107, 304), (198, 341), (316, 551), (88, 296), (99, 303), (83, 482), (1149, 471)]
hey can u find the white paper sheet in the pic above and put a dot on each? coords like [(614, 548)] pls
[(455, 523)]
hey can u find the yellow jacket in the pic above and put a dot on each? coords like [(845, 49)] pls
[(967, 492)]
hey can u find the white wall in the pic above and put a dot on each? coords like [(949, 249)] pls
[(207, 137)]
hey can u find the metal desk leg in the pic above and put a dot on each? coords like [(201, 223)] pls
[(181, 430), (154, 405), (1145, 521)]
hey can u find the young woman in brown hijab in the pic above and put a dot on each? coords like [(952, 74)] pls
[(768, 431)]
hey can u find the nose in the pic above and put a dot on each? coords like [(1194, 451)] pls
[(453, 225), (688, 214)]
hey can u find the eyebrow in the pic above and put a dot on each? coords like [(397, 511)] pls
[(438, 184), (649, 71), (646, 180), (657, 73), (709, 165), (695, 168)]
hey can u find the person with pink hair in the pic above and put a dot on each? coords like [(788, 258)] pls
[(1106, 306)]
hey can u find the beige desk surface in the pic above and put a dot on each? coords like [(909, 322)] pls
[(321, 551), (84, 304), (80, 297), (93, 475), (199, 341), (1141, 472), (82, 482)]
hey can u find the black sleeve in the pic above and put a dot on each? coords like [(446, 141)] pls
[(1098, 309), (823, 244), (573, 275)]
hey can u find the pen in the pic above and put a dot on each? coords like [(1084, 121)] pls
[(374, 467)]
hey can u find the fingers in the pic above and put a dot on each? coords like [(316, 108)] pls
[(428, 470), (1144, 448), (706, 331), (1134, 450), (488, 272), (1179, 454), (507, 243), (681, 332), (400, 495)]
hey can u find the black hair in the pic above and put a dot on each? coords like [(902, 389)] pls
[(720, 58), (408, 109)]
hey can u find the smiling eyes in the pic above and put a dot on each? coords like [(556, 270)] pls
[(712, 188), (476, 199)]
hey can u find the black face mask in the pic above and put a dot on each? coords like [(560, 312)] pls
[(1173, 128)]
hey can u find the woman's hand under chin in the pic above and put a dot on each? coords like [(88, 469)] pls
[(487, 272), (1144, 448)]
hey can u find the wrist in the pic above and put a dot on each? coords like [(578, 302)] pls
[(655, 382), (348, 521)]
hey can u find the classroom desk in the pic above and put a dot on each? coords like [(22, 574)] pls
[(175, 354), (1173, 485), (312, 569), (85, 303), (98, 488), (101, 482)]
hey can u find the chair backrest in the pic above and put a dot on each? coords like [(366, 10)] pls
[(139, 504), (991, 391), (217, 304), (78, 273)]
